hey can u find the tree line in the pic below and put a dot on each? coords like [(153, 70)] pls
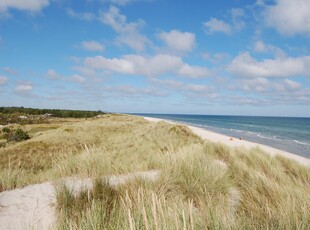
[(52, 112)]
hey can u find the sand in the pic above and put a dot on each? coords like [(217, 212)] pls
[(33, 207), (235, 142)]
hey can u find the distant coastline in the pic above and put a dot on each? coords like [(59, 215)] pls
[(272, 142)]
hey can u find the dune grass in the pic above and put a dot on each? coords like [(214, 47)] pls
[(198, 190), (202, 185), (122, 144)]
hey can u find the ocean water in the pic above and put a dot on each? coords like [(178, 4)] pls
[(286, 133)]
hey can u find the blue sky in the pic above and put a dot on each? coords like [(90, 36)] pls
[(157, 56)]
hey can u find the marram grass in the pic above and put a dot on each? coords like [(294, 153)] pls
[(202, 185)]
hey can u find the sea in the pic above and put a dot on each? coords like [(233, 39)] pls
[(291, 134)]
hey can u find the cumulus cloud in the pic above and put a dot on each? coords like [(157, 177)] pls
[(52, 75), (10, 71), (148, 66), (216, 57), (122, 2), (136, 64), (192, 91), (23, 88), (289, 17), (27, 5), (252, 85), (271, 91), (215, 25), (77, 78), (261, 47), (244, 65), (84, 16), (177, 40), (3, 80), (128, 32), (92, 46), (293, 85), (193, 71), (130, 91), (237, 14)]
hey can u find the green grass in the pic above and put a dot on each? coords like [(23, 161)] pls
[(202, 185)]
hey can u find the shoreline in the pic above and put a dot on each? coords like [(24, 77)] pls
[(235, 142)]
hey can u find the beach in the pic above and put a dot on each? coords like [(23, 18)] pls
[(235, 142)]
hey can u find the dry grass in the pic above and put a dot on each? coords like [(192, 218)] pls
[(197, 190), (122, 144), (202, 185)]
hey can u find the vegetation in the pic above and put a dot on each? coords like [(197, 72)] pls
[(202, 185), (21, 115)]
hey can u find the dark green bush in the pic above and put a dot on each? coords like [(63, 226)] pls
[(19, 135), (6, 130)]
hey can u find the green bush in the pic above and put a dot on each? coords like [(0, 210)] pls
[(6, 130), (19, 135)]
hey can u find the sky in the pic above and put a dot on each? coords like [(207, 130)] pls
[(237, 57)]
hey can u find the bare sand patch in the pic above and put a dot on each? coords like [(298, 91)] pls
[(33, 207)]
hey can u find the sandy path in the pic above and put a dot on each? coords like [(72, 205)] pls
[(216, 137), (33, 207)]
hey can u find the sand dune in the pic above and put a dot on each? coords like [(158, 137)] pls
[(33, 207)]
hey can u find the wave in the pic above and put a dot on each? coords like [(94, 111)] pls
[(270, 138), (301, 143)]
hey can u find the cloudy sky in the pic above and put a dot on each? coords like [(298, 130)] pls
[(157, 56)]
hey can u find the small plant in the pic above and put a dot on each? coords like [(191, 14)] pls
[(6, 130), (18, 135)]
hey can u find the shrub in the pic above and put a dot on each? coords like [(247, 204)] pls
[(6, 130), (19, 135)]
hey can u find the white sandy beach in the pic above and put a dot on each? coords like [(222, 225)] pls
[(234, 142)]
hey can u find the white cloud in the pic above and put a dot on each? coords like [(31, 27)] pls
[(92, 46), (23, 88), (3, 80), (251, 85), (52, 75), (85, 16), (9, 70), (28, 5), (136, 64), (289, 17), (291, 85), (214, 25), (128, 32), (246, 66), (194, 71), (198, 88), (177, 40), (272, 91), (135, 41), (114, 64), (261, 47), (146, 66), (237, 14), (122, 2), (77, 78), (130, 91), (168, 83), (216, 57)]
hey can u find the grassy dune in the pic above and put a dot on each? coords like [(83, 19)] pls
[(201, 184)]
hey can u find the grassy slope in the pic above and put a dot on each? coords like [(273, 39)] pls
[(202, 184)]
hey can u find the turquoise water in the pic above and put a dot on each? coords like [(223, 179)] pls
[(286, 133)]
